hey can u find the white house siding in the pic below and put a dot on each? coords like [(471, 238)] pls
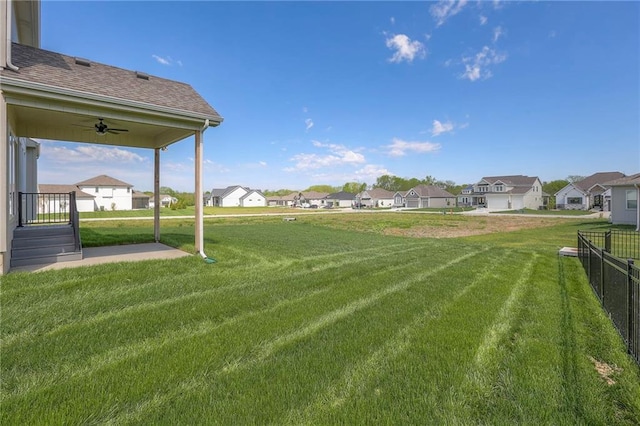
[(532, 200), (233, 198), (569, 191), (498, 201), (110, 198), (382, 202), (254, 200), (85, 205), (620, 214)]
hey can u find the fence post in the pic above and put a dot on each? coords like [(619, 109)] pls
[(607, 241), (601, 276), (19, 209), (632, 319)]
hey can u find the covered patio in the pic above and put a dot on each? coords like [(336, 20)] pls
[(48, 95)]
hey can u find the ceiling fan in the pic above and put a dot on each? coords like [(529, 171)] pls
[(102, 129)]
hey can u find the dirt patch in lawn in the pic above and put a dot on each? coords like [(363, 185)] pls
[(472, 226)]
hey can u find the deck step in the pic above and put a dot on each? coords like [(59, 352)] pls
[(34, 245)]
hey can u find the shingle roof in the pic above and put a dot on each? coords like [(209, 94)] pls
[(625, 181), (139, 194), (62, 71), (514, 180), (45, 188), (379, 193), (103, 180), (432, 191), (598, 179)]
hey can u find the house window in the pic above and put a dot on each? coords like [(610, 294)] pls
[(499, 188), (96, 189), (574, 200), (632, 199)]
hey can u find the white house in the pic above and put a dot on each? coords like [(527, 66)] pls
[(625, 193), (165, 200), (48, 95), (236, 196), (340, 199), (85, 202), (377, 197), (508, 193), (109, 193), (588, 193), (253, 198)]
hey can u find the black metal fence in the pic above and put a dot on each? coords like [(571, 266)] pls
[(615, 280), (45, 209)]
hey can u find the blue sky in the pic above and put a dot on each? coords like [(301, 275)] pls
[(333, 92)]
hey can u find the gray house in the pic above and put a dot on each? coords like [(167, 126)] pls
[(425, 196), (625, 193)]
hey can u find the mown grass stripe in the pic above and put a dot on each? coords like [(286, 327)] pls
[(480, 375), (9, 339), (268, 348), (40, 381), (357, 377)]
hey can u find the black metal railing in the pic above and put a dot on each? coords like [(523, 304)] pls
[(46, 209), (615, 281)]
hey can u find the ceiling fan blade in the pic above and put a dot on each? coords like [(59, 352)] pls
[(119, 130)]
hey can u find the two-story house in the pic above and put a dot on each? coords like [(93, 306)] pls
[(508, 193), (109, 193)]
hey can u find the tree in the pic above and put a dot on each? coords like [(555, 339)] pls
[(354, 187), (322, 188), (167, 191), (388, 182), (553, 187), (574, 178)]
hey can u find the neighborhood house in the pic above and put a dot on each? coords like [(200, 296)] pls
[(589, 193)]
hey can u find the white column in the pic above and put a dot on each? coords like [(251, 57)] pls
[(156, 195), (199, 242), (4, 187)]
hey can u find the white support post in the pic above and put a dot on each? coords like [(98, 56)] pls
[(156, 195), (199, 237)]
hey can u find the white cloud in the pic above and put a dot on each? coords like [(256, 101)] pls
[(262, 163), (497, 33), (308, 124), (400, 148), (166, 60), (370, 173), (405, 48), (439, 128), (483, 19), (305, 109), (445, 9), (90, 153), (338, 155), (393, 20), (476, 67)]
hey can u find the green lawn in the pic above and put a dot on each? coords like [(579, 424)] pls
[(324, 320), (189, 211), (547, 212)]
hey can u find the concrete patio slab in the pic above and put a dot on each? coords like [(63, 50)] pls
[(110, 254)]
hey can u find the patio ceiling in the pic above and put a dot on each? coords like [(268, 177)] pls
[(59, 123)]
